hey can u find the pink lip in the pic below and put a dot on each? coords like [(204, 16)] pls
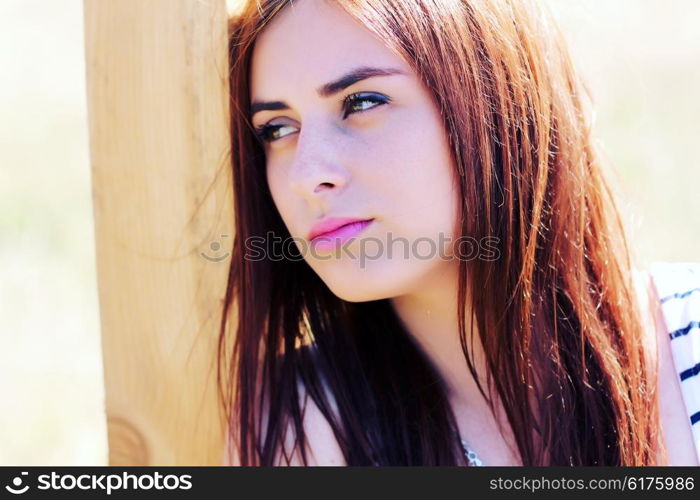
[(333, 231)]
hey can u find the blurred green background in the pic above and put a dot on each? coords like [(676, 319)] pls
[(641, 59)]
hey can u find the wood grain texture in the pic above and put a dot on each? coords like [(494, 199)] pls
[(158, 120)]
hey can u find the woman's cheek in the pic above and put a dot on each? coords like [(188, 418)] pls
[(280, 194)]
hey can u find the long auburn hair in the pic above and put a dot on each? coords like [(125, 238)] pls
[(556, 314)]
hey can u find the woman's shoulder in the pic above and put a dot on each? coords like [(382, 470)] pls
[(670, 299), (321, 444), (322, 447), (671, 292), (676, 289)]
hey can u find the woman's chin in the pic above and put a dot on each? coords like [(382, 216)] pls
[(367, 284)]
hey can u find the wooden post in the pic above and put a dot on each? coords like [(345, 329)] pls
[(163, 208)]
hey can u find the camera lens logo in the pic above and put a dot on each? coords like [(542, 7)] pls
[(215, 246), (17, 482)]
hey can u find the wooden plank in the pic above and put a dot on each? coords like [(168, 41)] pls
[(158, 120)]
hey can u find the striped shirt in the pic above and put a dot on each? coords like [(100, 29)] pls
[(678, 285)]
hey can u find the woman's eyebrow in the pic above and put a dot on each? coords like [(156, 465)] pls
[(331, 88)]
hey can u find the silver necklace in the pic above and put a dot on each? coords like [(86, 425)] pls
[(474, 460)]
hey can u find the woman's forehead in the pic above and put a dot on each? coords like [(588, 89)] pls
[(310, 43)]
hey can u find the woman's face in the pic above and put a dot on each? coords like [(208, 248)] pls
[(370, 148)]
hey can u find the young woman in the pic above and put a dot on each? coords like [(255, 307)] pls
[(429, 267)]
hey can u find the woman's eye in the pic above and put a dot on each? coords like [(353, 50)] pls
[(353, 103), (362, 101), (269, 133)]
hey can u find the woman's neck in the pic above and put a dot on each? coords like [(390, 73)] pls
[(430, 317)]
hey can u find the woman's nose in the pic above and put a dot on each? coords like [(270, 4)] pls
[(317, 168)]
